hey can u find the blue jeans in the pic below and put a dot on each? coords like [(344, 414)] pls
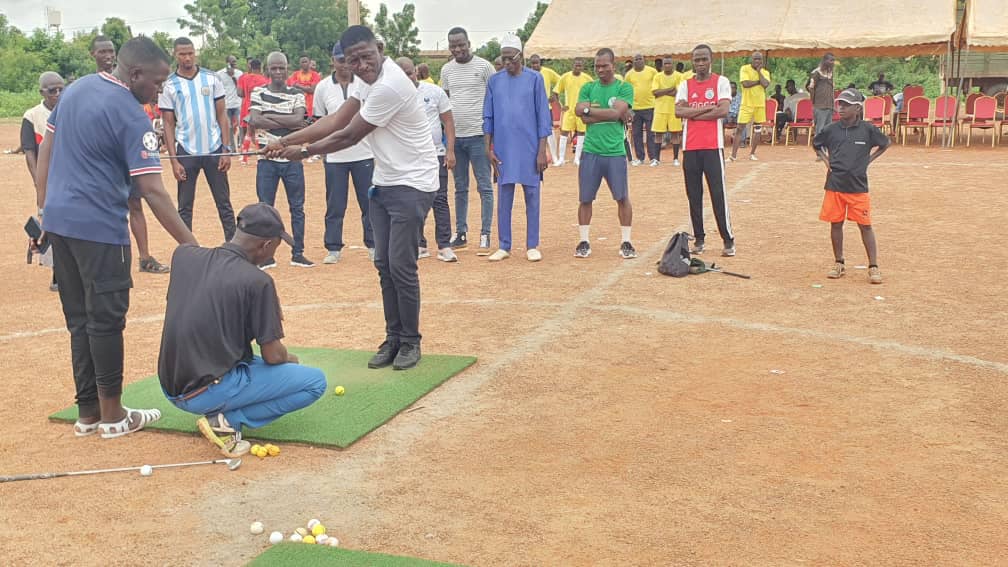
[(268, 176), (337, 188), (254, 393), (471, 150)]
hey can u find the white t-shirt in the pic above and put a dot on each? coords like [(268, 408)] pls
[(329, 96), (466, 84), (231, 98), (435, 103), (401, 142)]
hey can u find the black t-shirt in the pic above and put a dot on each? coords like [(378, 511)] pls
[(849, 149), (880, 87), (218, 302)]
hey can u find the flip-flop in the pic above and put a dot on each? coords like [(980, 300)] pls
[(122, 427), (85, 429)]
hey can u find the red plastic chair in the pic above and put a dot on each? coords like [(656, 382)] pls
[(945, 111), (874, 111), (889, 105), (909, 92), (984, 113), (771, 120), (804, 118), (918, 114)]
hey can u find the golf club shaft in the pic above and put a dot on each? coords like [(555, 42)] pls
[(42, 476), (226, 154), (737, 275)]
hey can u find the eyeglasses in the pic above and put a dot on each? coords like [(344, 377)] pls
[(53, 90), (508, 58)]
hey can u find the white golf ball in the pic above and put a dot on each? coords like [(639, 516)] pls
[(146, 470), (295, 538), (332, 542), (321, 539), (256, 528), (311, 523), (276, 537)]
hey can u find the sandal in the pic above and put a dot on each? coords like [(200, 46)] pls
[(85, 429), (152, 266), (230, 446), (122, 427)]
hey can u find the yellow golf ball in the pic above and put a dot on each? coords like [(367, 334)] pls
[(255, 449), (339, 390), (272, 450), (308, 539), (318, 530)]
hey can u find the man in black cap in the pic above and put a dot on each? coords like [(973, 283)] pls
[(218, 302)]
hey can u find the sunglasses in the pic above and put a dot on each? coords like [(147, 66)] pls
[(508, 58), (53, 90)]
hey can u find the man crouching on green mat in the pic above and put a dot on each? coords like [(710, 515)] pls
[(218, 302)]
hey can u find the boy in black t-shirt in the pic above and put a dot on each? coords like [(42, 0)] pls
[(846, 147)]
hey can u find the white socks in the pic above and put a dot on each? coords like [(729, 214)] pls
[(551, 143), (624, 234), (577, 152), (563, 149), (583, 231)]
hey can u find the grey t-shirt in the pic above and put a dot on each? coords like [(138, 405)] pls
[(218, 302)]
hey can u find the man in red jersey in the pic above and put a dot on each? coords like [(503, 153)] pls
[(702, 105)]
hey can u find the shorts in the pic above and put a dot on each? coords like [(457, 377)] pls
[(749, 114), (232, 114), (594, 168), (854, 207), (570, 122), (666, 122)]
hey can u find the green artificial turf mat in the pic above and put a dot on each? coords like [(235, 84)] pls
[(372, 398), (300, 554)]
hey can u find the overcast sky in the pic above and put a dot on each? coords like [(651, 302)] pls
[(434, 17)]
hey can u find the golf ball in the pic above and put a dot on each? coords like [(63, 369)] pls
[(339, 390), (312, 523), (256, 528), (332, 542), (321, 539), (301, 532), (317, 530), (308, 539), (276, 537), (295, 538), (146, 470)]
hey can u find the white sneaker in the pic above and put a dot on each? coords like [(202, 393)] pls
[(752, 157), (533, 255), (499, 255), (370, 254), (635, 162), (484, 245), (654, 163), (447, 255), (559, 163), (577, 162), (422, 253), (675, 162), (332, 257)]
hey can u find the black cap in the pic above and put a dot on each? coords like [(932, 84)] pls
[(263, 221)]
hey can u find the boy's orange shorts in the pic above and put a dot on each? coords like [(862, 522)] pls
[(838, 206)]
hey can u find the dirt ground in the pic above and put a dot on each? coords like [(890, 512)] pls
[(615, 416)]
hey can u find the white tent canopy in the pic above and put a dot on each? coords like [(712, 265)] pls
[(987, 24), (785, 28)]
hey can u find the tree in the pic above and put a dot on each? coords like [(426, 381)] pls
[(164, 40), (402, 37), (489, 50), (533, 20), (116, 30)]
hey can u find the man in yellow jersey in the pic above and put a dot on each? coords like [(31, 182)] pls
[(570, 125), (664, 87), (423, 74), (550, 79), (754, 81), (640, 77)]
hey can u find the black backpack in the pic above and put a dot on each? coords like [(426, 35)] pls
[(675, 261)]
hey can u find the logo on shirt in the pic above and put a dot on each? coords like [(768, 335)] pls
[(709, 94), (205, 91), (150, 142)]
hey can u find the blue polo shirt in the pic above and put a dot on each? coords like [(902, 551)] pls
[(101, 139)]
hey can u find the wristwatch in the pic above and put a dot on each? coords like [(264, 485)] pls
[(586, 111), (228, 148), (305, 154)]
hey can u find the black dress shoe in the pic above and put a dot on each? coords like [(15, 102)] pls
[(408, 357), (385, 355)]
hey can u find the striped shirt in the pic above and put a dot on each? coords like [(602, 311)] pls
[(466, 85), (194, 103), (287, 102)]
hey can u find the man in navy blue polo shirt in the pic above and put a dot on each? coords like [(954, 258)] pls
[(98, 142)]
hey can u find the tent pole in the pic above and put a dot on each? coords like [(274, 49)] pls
[(943, 91)]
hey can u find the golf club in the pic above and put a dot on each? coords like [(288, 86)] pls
[(226, 154), (715, 268), (232, 464)]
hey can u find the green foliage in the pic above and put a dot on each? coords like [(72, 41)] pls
[(489, 50), (13, 105), (402, 37), (533, 20), (116, 30)]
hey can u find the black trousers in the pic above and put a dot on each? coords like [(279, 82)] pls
[(397, 213), (642, 121), (442, 214), (219, 188), (709, 164), (94, 282)]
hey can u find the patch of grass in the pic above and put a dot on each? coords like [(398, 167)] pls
[(14, 105)]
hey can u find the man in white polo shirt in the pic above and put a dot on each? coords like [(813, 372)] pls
[(386, 109), (356, 162)]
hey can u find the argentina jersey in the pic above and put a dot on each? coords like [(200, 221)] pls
[(194, 103)]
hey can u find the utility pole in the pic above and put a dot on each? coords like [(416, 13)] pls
[(353, 12)]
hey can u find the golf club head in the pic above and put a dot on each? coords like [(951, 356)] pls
[(233, 464)]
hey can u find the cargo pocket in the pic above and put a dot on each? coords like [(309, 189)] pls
[(108, 305)]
